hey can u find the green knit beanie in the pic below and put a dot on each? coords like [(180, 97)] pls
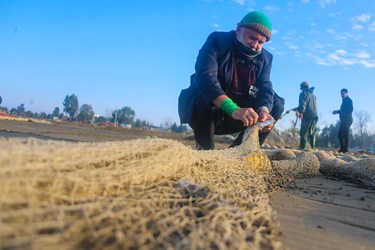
[(259, 22)]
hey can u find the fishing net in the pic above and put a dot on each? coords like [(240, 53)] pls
[(141, 194), (360, 171)]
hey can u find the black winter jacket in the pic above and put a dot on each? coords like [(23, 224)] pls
[(213, 77), (346, 110)]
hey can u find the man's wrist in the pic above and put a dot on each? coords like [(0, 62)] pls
[(264, 109), (228, 106)]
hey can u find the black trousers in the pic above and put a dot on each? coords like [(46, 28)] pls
[(218, 123), (344, 135)]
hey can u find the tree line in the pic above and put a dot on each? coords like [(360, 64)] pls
[(359, 137), (73, 112)]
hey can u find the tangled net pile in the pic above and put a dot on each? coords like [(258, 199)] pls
[(148, 194), (360, 171)]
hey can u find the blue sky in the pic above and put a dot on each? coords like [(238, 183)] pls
[(140, 54)]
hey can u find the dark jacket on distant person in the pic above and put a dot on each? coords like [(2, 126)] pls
[(213, 77), (346, 110), (307, 104)]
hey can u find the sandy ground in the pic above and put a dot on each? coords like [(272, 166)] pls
[(324, 213), (315, 213)]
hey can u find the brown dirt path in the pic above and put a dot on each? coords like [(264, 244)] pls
[(78, 132)]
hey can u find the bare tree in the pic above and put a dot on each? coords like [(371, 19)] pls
[(168, 122), (362, 119)]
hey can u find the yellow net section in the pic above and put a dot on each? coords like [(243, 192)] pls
[(140, 194)]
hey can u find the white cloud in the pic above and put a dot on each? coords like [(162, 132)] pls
[(305, 1), (341, 52), (358, 21), (291, 46), (280, 53), (271, 8), (215, 25), (331, 31), (357, 27), (322, 61), (275, 51), (337, 36), (343, 58), (320, 45), (346, 62), (334, 14), (362, 54), (367, 64), (364, 18), (324, 3), (240, 2), (291, 33)]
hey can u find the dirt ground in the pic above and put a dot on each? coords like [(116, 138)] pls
[(324, 213), (315, 213)]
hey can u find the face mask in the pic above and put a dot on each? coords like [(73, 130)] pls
[(244, 51)]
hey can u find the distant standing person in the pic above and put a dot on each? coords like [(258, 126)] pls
[(307, 111), (346, 120)]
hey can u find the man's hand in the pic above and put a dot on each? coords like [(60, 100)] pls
[(247, 115), (264, 116)]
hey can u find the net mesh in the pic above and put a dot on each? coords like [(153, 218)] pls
[(141, 194), (360, 171)]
